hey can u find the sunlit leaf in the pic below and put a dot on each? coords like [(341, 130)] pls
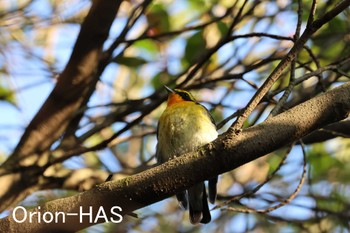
[(7, 95), (148, 46)]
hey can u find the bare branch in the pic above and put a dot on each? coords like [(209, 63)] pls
[(286, 61)]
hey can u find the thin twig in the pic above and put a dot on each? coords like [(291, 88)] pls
[(285, 62), (283, 203), (333, 66), (258, 187), (203, 59), (312, 13), (291, 85)]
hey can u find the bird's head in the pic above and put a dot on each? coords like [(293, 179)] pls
[(178, 95)]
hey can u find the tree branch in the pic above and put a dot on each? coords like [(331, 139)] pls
[(311, 28), (19, 174), (228, 152)]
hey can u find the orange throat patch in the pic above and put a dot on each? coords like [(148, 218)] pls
[(174, 98)]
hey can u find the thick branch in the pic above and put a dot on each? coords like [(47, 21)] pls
[(228, 152), (338, 129), (73, 84), (19, 175)]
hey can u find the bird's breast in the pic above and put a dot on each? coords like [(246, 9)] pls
[(183, 129)]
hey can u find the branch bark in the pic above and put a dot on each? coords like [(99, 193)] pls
[(228, 152)]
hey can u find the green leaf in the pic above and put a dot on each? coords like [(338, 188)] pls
[(158, 18), (160, 79), (129, 61), (7, 95), (195, 47), (148, 46), (323, 164), (335, 203), (223, 28)]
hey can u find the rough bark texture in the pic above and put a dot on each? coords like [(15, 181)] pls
[(228, 152)]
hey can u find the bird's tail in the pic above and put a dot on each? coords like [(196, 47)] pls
[(182, 198), (212, 189), (198, 204)]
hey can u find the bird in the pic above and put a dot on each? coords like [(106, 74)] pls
[(184, 126)]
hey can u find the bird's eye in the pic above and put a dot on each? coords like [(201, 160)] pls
[(186, 96)]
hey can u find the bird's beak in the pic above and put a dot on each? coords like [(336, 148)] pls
[(169, 89)]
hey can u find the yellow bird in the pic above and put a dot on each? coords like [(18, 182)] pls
[(184, 126)]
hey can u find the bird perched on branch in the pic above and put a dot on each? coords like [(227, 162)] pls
[(184, 126)]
